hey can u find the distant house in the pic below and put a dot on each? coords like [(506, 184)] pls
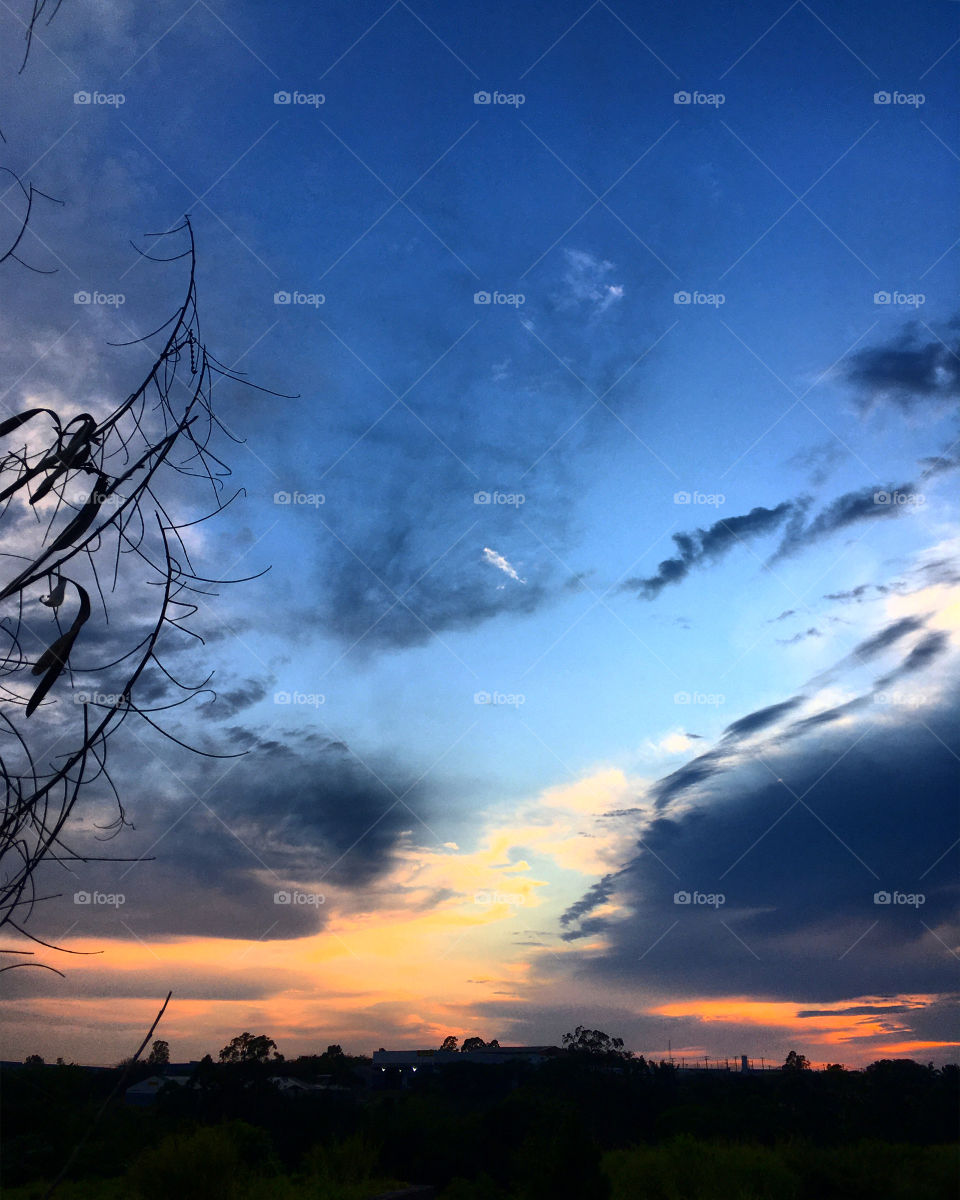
[(505, 1054), (298, 1087), (144, 1093), (401, 1066)]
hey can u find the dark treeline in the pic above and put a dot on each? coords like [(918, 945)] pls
[(570, 1127)]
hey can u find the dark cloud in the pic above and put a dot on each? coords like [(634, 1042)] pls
[(872, 646), (866, 504), (390, 587), (798, 850), (819, 460), (858, 1010), (762, 718), (859, 592), (800, 637), (294, 814), (597, 894), (587, 928), (231, 701), (911, 371), (923, 653), (703, 545), (942, 570), (826, 717), (697, 771), (939, 465)]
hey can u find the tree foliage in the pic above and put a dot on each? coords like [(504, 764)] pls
[(87, 504), (248, 1048), (159, 1053), (796, 1062), (594, 1042)]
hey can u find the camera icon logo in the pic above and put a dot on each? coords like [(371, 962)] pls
[(681, 897), (481, 297), (881, 297), (881, 497), (482, 697), (681, 97), (681, 497), (281, 97), (81, 297), (881, 97), (81, 97), (681, 697), (281, 697), (481, 97), (681, 297), (81, 897), (881, 897), (281, 897), (281, 297), (281, 497), (481, 497)]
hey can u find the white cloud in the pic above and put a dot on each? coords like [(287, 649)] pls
[(498, 561), (585, 278)]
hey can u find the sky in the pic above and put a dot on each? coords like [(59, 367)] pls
[(608, 664)]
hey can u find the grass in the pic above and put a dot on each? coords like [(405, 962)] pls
[(687, 1168)]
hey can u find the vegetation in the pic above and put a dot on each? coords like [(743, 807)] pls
[(593, 1124)]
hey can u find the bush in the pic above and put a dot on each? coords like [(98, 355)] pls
[(216, 1162), (686, 1169), (354, 1160)]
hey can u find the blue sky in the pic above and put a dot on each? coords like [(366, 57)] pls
[(723, 239)]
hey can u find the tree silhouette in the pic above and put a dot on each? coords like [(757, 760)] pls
[(247, 1048), (85, 507), (796, 1062), (594, 1042), (159, 1053)]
